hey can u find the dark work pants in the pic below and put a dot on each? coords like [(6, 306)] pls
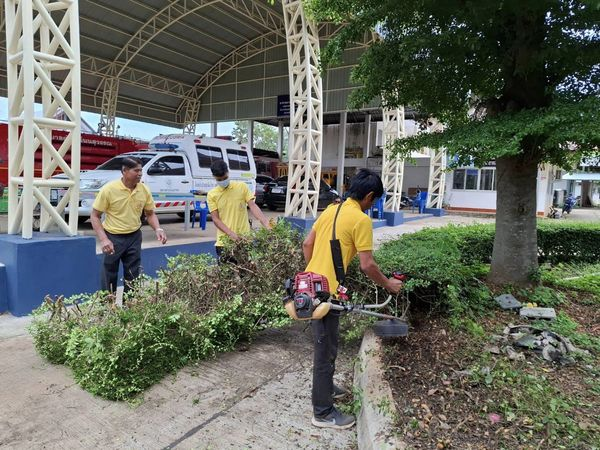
[(128, 248), (325, 337)]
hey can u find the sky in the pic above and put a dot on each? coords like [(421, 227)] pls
[(132, 128)]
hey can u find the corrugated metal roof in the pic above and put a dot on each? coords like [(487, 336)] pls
[(163, 50)]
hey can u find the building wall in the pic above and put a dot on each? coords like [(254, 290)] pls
[(485, 201)]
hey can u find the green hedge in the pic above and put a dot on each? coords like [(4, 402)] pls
[(446, 264), (558, 241)]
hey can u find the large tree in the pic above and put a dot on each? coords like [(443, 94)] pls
[(514, 80)]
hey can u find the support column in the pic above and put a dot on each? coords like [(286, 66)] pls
[(251, 135), (341, 152), (108, 109), (29, 73), (214, 129), (280, 139), (393, 166), (367, 135), (306, 114)]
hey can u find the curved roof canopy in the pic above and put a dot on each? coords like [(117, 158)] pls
[(230, 54)]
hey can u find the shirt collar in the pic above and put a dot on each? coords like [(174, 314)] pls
[(123, 187)]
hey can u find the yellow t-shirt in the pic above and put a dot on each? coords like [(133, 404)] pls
[(354, 230), (231, 202), (123, 207)]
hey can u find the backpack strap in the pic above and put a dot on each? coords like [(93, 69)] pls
[(336, 252)]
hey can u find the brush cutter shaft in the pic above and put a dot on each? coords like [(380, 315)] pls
[(359, 309)]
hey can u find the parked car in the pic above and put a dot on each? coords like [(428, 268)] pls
[(274, 194), (261, 180)]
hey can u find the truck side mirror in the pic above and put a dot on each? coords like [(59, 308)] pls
[(154, 170)]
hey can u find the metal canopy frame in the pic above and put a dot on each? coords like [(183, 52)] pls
[(134, 70)]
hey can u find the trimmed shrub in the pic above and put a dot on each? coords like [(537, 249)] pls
[(562, 241)]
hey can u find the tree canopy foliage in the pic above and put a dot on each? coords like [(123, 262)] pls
[(506, 78)]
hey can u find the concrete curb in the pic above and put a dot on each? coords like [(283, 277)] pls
[(375, 422)]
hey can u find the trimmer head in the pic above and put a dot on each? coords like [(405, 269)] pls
[(391, 328)]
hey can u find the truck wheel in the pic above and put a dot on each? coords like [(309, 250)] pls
[(272, 207)]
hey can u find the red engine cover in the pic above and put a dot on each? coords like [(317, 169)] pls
[(310, 283)]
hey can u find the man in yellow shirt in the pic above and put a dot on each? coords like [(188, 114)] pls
[(228, 204), (354, 230), (122, 201)]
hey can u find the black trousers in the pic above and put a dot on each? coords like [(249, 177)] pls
[(325, 337), (224, 259), (128, 248)]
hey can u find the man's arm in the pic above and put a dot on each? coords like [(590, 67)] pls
[(221, 225), (152, 219), (308, 245), (257, 213), (371, 269), (105, 243)]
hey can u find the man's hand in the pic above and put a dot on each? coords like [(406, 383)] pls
[(107, 246), (393, 285), (161, 236), (234, 236)]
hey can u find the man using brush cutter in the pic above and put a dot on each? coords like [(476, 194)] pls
[(352, 232)]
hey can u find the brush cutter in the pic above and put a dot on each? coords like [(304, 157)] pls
[(308, 297)]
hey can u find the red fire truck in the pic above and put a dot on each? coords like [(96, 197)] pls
[(95, 150)]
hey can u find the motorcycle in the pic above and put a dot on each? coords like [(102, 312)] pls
[(569, 203)]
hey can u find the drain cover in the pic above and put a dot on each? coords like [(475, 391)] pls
[(390, 328)]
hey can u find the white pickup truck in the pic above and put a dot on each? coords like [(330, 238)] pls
[(174, 166)]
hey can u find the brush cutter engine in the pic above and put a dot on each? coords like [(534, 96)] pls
[(308, 297)]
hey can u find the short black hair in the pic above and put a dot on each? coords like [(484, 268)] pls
[(219, 168), (363, 182), (130, 162)]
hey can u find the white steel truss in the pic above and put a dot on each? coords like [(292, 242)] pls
[(437, 170), (392, 166), (191, 116), (108, 109), (306, 112), (30, 64), (437, 178)]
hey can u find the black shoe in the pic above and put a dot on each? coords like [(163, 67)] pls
[(339, 392), (334, 419)]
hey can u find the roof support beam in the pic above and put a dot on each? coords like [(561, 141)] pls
[(108, 110)]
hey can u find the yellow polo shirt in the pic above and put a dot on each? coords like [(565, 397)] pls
[(123, 207), (354, 230), (231, 203)]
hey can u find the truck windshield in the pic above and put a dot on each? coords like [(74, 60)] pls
[(117, 162)]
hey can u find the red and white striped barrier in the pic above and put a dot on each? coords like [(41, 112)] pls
[(173, 203)]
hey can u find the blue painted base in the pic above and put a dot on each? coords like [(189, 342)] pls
[(302, 225), (47, 265), (393, 218), (437, 212), (3, 289), (378, 223)]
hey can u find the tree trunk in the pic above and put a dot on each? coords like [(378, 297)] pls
[(514, 258)]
